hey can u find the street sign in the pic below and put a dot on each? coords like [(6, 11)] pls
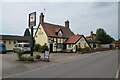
[(32, 22), (46, 56), (32, 19)]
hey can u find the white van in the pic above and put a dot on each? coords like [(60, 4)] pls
[(25, 47)]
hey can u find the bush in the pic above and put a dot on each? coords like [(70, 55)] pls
[(87, 48), (83, 49), (37, 47), (20, 55), (43, 48), (23, 58), (30, 58), (37, 57), (79, 49)]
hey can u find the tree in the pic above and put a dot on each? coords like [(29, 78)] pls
[(27, 32), (102, 36)]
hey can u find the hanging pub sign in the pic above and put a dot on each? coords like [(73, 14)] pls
[(32, 19)]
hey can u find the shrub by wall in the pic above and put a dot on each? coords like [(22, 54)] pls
[(37, 47), (43, 48), (30, 58)]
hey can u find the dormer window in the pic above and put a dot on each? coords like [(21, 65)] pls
[(90, 39), (58, 31), (60, 34)]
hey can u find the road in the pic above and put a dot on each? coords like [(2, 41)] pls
[(11, 65), (99, 65)]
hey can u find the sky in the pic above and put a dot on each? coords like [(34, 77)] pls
[(83, 16)]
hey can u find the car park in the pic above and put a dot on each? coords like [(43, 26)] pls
[(2, 48), (25, 47)]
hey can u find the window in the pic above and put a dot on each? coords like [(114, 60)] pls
[(9, 42), (14, 42), (26, 45), (45, 44), (40, 31), (82, 40), (4, 42), (94, 45), (90, 39), (85, 45), (79, 45), (19, 45), (59, 45), (69, 45), (59, 34), (15, 45)]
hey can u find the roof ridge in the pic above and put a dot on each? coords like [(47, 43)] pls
[(76, 35), (11, 35), (55, 25)]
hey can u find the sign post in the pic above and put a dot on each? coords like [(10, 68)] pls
[(31, 42), (46, 56), (32, 22)]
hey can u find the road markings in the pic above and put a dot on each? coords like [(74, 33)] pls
[(28, 71), (117, 74)]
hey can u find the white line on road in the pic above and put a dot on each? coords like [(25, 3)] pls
[(28, 71), (118, 70)]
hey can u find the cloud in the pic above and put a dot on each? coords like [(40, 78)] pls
[(102, 4), (83, 16)]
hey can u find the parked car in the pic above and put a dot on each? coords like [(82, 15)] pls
[(2, 48), (25, 47)]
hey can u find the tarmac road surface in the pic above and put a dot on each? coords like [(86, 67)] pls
[(100, 65)]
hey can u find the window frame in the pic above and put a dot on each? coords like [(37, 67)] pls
[(69, 45), (59, 45), (60, 34)]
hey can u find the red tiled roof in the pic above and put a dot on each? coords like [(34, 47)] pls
[(88, 37), (73, 39), (116, 42), (93, 36), (57, 30), (51, 29)]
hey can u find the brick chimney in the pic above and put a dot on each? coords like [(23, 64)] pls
[(67, 23), (41, 18), (91, 32)]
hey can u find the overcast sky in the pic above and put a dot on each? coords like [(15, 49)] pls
[(83, 16)]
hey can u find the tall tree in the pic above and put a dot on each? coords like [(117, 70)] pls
[(103, 36), (27, 32)]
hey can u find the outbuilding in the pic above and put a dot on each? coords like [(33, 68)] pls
[(11, 40)]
